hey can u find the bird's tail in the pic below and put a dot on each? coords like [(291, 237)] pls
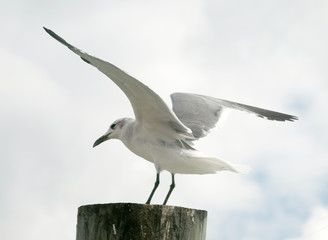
[(222, 165), (199, 163)]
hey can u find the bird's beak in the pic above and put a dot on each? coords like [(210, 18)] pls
[(101, 139)]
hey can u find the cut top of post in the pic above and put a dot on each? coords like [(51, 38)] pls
[(140, 221)]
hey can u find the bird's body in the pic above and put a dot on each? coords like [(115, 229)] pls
[(173, 155), (163, 136)]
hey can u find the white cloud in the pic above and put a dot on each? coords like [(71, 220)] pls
[(316, 227), (54, 106)]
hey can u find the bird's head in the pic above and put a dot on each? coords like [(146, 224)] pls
[(114, 131)]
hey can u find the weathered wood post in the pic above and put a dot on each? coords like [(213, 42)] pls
[(130, 221)]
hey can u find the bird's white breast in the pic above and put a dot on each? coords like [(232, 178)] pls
[(148, 146)]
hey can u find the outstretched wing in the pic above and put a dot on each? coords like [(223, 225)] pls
[(201, 113), (149, 109)]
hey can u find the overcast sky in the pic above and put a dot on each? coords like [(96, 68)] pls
[(271, 54)]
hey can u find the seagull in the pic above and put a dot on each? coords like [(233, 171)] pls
[(163, 136)]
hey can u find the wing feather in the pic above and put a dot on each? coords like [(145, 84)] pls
[(201, 113), (149, 109)]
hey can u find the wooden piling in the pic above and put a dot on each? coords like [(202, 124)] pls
[(130, 221)]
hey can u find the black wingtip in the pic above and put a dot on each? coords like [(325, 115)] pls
[(55, 36), (71, 47), (282, 117), (49, 31), (286, 117), (293, 118)]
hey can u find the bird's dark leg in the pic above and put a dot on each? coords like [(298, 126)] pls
[(154, 189), (171, 189)]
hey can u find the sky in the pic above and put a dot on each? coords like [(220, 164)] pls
[(270, 54)]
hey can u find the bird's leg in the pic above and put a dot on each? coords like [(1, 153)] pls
[(154, 189), (171, 189)]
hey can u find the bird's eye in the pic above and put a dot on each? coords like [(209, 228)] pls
[(113, 126)]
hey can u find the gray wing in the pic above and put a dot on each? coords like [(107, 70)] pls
[(201, 113), (148, 107)]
